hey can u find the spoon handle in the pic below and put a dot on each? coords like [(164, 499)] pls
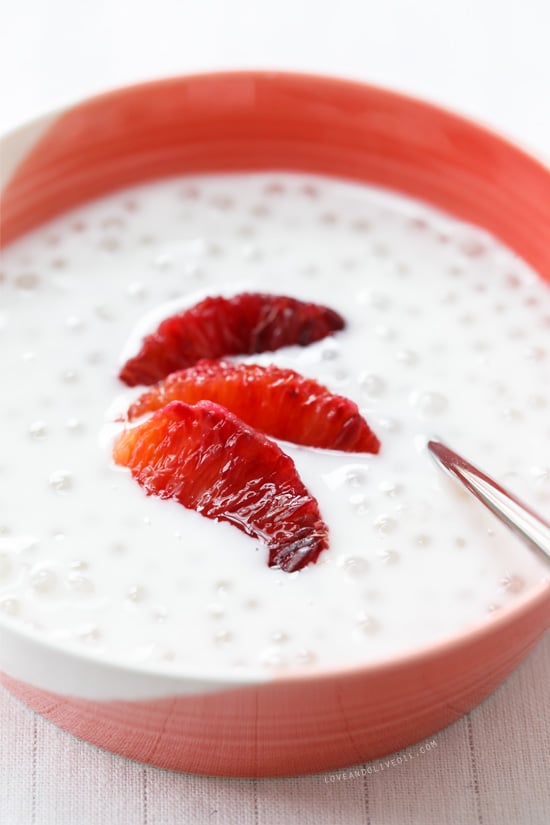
[(516, 515)]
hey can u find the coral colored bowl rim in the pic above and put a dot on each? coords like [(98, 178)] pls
[(534, 599)]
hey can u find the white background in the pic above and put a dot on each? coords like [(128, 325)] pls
[(489, 59)]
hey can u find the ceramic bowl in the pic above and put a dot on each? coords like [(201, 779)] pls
[(250, 121)]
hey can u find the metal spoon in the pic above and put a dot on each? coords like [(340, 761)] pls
[(516, 515)]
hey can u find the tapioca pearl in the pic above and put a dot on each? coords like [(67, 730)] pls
[(429, 403), (388, 556), (305, 656), (223, 637), (136, 594), (6, 567), (472, 247), (104, 312), (215, 610), (246, 231), (493, 607), (28, 356), (385, 524), (401, 270), (516, 333), (389, 424), (27, 281), (330, 353), (112, 223), (69, 376), (80, 584), (354, 476), (498, 389), (376, 300), (310, 191), (251, 252), (214, 250), (260, 210), (511, 414), (44, 581), (372, 595), (449, 298), (272, 658), (78, 227), (38, 430), (372, 385), (74, 425), (390, 488), (94, 358), (74, 323), (422, 540), (190, 193), (251, 604), (79, 565), (131, 205), (53, 239), (361, 225), (354, 566), (136, 290), (360, 504), (535, 353), (274, 188), (512, 281), (385, 332), (407, 357), (349, 264), (223, 587), (61, 481), (194, 270), (341, 375), (512, 583), (328, 218), (89, 633), (468, 319), (460, 542), (59, 263), (109, 244), (309, 270), (418, 224), (279, 637), (10, 606), (380, 250), (545, 322), (367, 624), (541, 475), (160, 614), (164, 261)]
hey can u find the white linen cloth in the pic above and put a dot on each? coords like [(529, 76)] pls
[(490, 768)]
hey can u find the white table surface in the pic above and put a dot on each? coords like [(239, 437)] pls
[(489, 59)]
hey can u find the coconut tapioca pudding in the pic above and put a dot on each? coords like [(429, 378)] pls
[(443, 331)]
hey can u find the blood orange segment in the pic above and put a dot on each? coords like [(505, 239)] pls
[(279, 402), (244, 324), (210, 461)]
